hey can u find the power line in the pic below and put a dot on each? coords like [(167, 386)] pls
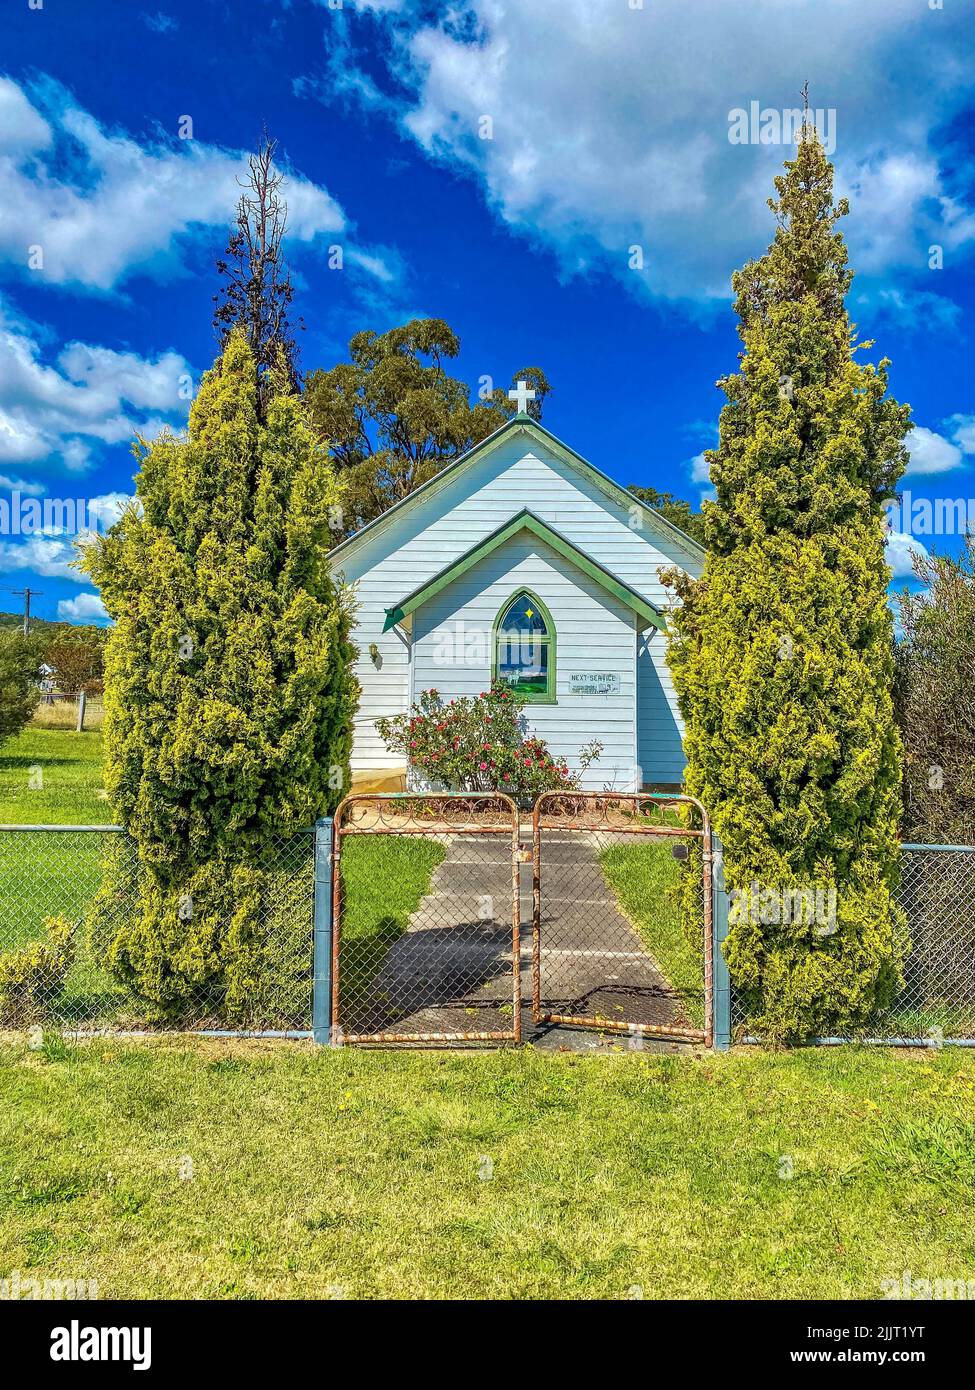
[(27, 594)]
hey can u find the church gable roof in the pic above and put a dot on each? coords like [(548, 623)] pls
[(533, 429), (525, 521)]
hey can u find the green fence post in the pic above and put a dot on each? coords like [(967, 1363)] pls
[(321, 1003), (722, 980)]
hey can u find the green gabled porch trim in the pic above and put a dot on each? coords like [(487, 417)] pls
[(525, 521)]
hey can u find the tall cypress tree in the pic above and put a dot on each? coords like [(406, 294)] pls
[(782, 651), (229, 693)]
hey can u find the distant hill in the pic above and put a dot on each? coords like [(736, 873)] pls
[(17, 620), (52, 629)]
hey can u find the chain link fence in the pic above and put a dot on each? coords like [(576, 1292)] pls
[(69, 914), (623, 915), (427, 920), (937, 999), (938, 896), (448, 912)]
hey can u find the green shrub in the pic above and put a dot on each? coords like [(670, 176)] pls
[(19, 691), (782, 651), (476, 744), (229, 690), (278, 993), (32, 979), (272, 976)]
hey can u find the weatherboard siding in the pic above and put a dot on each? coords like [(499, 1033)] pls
[(412, 545), (660, 752), (594, 632)]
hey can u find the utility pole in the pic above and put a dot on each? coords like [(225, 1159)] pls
[(26, 594)]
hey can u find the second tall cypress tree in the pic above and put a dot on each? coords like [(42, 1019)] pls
[(782, 656)]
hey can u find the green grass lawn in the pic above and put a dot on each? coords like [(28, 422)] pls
[(57, 873), (52, 777), (384, 877), (812, 1174), (644, 878)]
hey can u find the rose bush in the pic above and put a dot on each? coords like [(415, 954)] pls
[(476, 744)]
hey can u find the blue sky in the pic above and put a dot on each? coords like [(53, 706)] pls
[(607, 129)]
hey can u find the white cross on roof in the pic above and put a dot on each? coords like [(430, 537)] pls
[(521, 394)]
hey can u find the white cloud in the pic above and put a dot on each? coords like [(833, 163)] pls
[(23, 131), (21, 485), (378, 5), (382, 263), (87, 397), (86, 608), (891, 193), (104, 511), (610, 124), (50, 552), (901, 549), (49, 556), (963, 432), (931, 453), (910, 310), (102, 207), (700, 469)]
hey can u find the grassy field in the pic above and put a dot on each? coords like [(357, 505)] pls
[(644, 878), (48, 776), (383, 880), (63, 714), (813, 1174), (52, 776)]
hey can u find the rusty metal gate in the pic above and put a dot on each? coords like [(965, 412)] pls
[(622, 914), (426, 944)]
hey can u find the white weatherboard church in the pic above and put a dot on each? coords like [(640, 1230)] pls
[(521, 561)]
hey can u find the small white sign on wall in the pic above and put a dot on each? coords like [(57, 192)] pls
[(594, 683)]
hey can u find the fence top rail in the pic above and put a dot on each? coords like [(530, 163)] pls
[(120, 830), (116, 829), (426, 813), (950, 849), (612, 810)]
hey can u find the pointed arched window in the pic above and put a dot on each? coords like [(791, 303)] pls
[(524, 648)]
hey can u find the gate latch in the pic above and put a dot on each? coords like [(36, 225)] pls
[(524, 856)]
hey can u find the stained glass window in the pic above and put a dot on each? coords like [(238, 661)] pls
[(525, 655)]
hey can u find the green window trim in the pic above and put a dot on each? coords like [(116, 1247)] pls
[(548, 640)]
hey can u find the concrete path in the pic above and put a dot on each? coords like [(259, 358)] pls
[(450, 971), (593, 961)]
